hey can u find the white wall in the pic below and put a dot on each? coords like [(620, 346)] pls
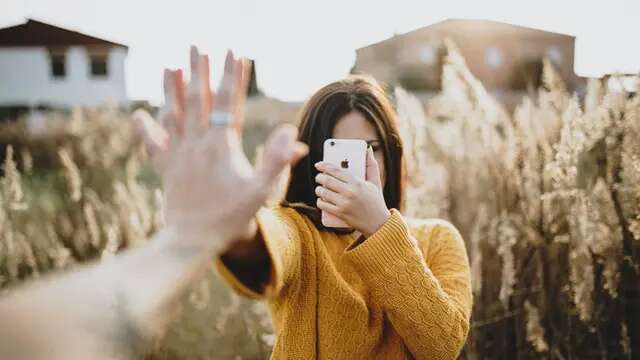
[(25, 78)]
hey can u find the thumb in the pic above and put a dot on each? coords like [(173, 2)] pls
[(280, 151), (373, 171), (153, 134), (155, 137)]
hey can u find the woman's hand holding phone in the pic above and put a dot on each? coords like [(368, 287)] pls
[(359, 203)]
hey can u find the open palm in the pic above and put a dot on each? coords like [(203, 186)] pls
[(212, 191)]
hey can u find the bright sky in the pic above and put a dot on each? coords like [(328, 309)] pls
[(301, 45)]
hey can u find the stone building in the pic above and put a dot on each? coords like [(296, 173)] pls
[(504, 57)]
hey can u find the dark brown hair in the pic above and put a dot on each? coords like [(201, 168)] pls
[(316, 122)]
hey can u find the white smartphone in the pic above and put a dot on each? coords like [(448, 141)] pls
[(350, 155)]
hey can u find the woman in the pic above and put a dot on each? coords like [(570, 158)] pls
[(390, 288)]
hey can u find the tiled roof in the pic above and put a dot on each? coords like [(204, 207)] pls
[(36, 33)]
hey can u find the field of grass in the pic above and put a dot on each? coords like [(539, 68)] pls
[(547, 198)]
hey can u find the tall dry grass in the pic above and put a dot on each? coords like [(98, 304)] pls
[(546, 197), (548, 201), (81, 191)]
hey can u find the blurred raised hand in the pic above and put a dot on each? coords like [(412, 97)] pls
[(112, 309), (212, 191)]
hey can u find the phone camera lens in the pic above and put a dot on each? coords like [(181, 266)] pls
[(332, 143)]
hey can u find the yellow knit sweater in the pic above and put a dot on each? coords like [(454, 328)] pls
[(403, 293)]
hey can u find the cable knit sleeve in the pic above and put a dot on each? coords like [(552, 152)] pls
[(277, 228), (429, 306)]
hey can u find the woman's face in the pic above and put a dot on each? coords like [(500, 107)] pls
[(355, 126)]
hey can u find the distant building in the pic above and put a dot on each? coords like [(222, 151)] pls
[(504, 57), (42, 65)]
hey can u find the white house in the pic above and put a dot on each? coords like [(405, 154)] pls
[(42, 65)]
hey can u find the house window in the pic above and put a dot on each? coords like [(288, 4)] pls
[(427, 54), (554, 54), (58, 66), (99, 65), (493, 57)]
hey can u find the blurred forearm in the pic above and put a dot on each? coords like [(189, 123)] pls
[(110, 309)]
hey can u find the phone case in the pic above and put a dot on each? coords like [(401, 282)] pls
[(349, 154)]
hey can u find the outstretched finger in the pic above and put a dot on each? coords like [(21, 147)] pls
[(222, 113), (170, 114), (225, 94), (242, 78), (281, 150), (207, 95), (196, 104), (179, 87)]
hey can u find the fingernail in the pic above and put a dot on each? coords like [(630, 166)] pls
[(194, 54), (318, 165), (228, 61)]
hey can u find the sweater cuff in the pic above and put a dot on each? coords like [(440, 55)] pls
[(391, 245), (269, 231)]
